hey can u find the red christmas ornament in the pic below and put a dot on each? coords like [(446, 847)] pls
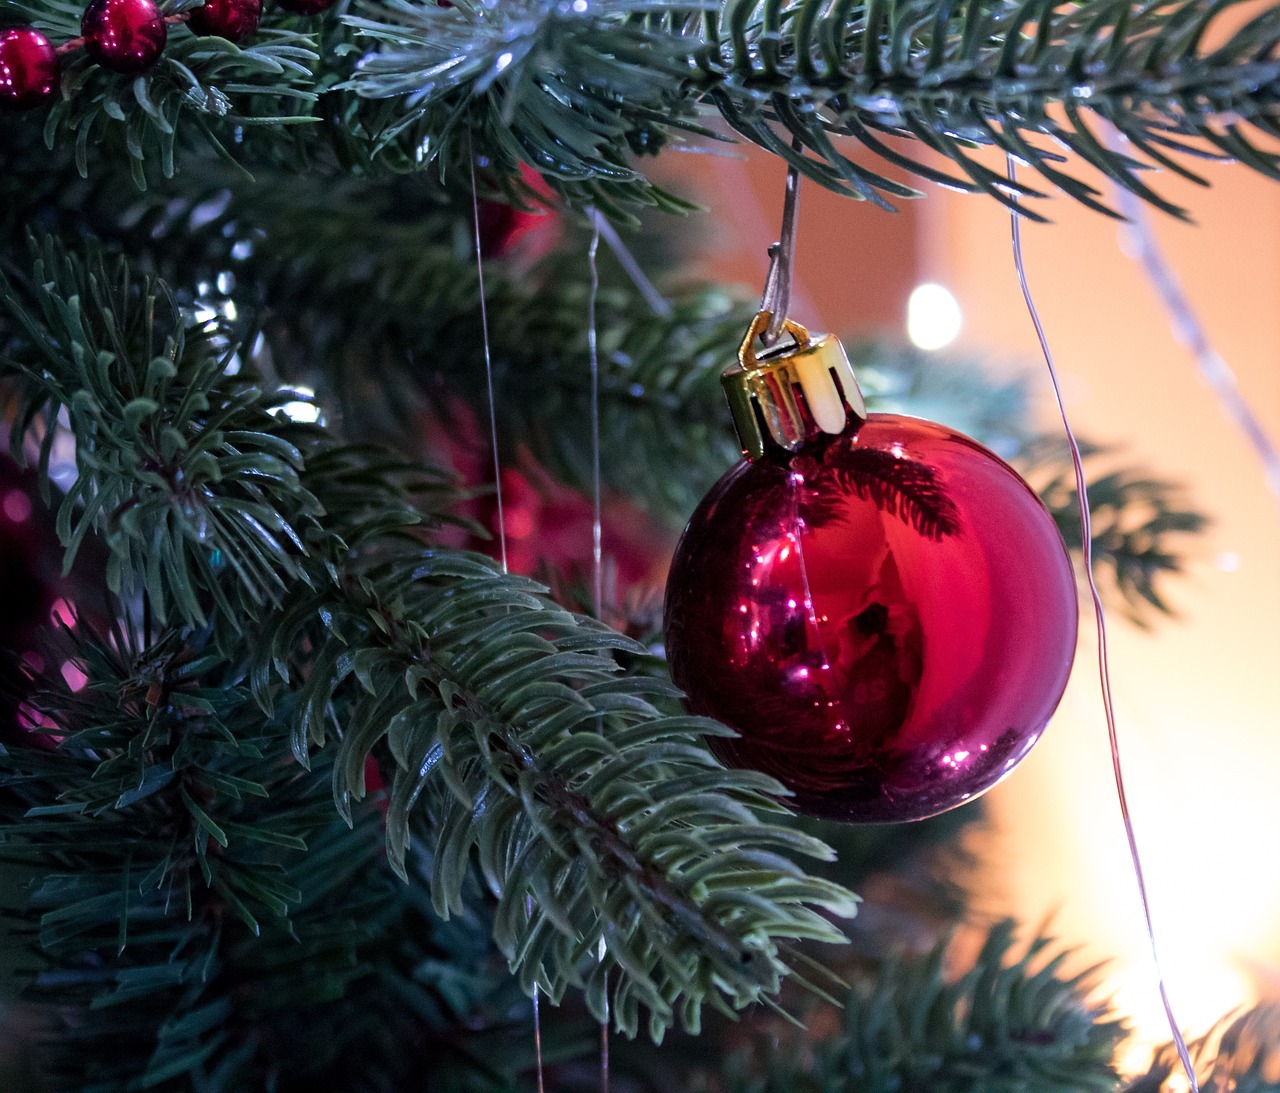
[(28, 68), (234, 20), (125, 36), (881, 607), (306, 7)]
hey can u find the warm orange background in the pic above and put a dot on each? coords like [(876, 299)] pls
[(1197, 697)]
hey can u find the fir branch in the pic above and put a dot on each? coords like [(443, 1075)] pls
[(506, 711), (565, 779), (556, 86), (189, 479), (170, 960), (1010, 1023), (1236, 1056)]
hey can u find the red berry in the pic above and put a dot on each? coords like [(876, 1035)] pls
[(234, 20), (124, 35), (28, 68), (306, 7)]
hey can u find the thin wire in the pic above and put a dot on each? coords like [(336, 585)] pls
[(1104, 670), (1187, 325), (777, 285), (502, 522), (488, 362), (593, 349), (597, 534), (658, 303)]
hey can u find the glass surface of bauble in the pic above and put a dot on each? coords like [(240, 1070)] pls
[(887, 617)]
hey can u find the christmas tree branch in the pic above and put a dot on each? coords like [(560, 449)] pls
[(577, 92), (180, 461), (205, 84), (1009, 1023), (532, 749), (199, 914), (561, 87), (508, 712)]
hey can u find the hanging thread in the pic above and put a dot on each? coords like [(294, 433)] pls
[(593, 351), (597, 530), (502, 523), (488, 361), (1104, 669), (1190, 330), (656, 302), (733, 174), (776, 298)]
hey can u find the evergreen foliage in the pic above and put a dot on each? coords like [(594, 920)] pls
[(334, 795), (504, 712), (1004, 1026)]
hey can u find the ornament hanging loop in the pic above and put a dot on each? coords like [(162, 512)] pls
[(792, 390), (776, 301), (760, 327)]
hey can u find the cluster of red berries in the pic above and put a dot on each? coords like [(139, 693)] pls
[(124, 36)]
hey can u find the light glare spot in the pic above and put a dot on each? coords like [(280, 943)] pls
[(1228, 561), (933, 317), (303, 410)]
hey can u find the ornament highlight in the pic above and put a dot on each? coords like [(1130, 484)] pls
[(126, 36), (880, 606), (29, 68), (234, 20)]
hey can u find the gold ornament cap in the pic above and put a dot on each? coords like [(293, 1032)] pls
[(791, 390)]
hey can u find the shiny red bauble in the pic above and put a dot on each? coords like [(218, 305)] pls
[(126, 36), (28, 68), (887, 617), (234, 20)]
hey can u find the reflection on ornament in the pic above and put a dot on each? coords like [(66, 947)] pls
[(886, 614)]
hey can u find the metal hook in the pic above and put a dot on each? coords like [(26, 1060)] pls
[(777, 287)]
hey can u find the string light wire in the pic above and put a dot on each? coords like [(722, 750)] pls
[(1104, 669)]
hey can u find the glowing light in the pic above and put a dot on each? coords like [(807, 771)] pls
[(303, 409), (17, 506), (791, 603), (1228, 561), (933, 317), (504, 59)]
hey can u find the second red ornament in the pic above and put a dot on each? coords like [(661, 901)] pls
[(126, 36), (234, 20), (28, 68)]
